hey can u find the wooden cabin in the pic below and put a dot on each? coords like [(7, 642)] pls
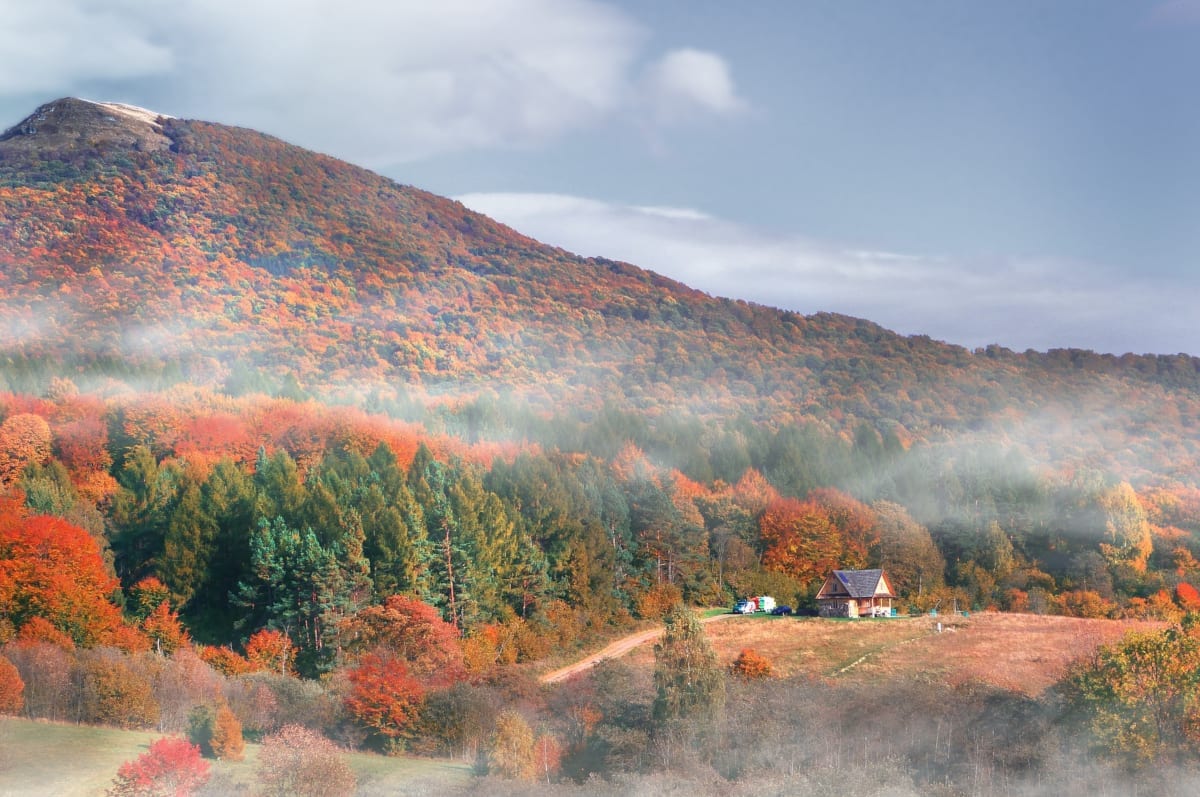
[(855, 593)]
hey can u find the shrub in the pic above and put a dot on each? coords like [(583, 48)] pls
[(216, 732), (172, 767), (751, 664), (113, 694), (297, 762)]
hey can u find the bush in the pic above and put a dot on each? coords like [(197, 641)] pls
[(750, 665), (113, 694), (172, 767), (297, 762)]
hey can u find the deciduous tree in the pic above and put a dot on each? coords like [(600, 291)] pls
[(512, 754), (12, 688), (384, 697)]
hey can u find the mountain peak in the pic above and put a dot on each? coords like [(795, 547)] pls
[(71, 122)]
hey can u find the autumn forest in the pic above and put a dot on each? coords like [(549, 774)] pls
[(288, 448)]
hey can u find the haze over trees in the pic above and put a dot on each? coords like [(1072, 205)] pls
[(299, 453)]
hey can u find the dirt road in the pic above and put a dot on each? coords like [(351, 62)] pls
[(614, 649)]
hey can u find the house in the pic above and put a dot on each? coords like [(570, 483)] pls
[(855, 593)]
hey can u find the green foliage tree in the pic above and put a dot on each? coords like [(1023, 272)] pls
[(1141, 696), (689, 682), (294, 588)]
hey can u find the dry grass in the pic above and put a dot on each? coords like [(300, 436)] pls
[(1020, 652), (43, 758)]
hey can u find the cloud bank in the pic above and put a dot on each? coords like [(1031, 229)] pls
[(1020, 303), (373, 82)]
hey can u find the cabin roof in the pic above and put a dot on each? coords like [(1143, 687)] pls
[(861, 583)]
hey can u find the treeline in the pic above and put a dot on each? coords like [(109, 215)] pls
[(240, 506)]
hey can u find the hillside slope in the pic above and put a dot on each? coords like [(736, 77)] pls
[(143, 247)]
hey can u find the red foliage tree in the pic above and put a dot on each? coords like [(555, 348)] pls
[(172, 767), (12, 688), (1187, 597), (82, 445), (548, 754), (413, 632)]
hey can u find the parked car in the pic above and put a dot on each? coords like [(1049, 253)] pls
[(744, 607), (780, 611)]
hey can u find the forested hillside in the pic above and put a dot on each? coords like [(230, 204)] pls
[(220, 256), (266, 414)]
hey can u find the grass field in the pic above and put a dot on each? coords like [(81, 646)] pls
[(43, 758), (1020, 652)]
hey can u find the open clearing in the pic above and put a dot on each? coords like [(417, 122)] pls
[(1021, 652), (41, 758)]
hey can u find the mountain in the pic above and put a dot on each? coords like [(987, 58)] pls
[(151, 249)]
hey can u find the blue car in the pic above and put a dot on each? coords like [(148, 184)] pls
[(779, 611)]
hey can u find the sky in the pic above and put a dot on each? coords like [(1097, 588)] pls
[(1023, 172)]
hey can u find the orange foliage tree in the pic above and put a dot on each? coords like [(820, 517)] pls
[(166, 633), (384, 696), (52, 569), (24, 440), (799, 539), (271, 651), (413, 632), (12, 688)]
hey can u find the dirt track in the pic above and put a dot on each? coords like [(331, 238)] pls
[(614, 649)]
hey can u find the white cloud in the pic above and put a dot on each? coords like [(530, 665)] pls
[(1023, 303), (47, 45), (685, 81), (372, 82)]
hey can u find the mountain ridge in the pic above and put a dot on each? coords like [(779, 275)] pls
[(229, 249)]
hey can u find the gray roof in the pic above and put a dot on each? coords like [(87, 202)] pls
[(859, 583)]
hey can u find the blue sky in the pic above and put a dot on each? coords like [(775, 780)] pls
[(1018, 172)]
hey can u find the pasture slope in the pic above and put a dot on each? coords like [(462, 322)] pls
[(1024, 653)]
